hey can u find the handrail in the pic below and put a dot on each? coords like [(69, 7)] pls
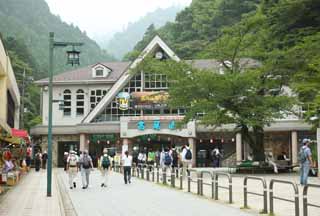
[(246, 192), (296, 195), (190, 180), (204, 183), (217, 174), (305, 198)]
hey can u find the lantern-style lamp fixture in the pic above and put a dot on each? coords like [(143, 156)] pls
[(73, 57)]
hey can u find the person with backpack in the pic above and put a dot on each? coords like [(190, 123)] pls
[(305, 161), (175, 157), (105, 166), (186, 159), (44, 160), (85, 165), (166, 159), (72, 167), (127, 163)]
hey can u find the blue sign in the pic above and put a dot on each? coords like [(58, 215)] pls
[(141, 125), (156, 125), (172, 125)]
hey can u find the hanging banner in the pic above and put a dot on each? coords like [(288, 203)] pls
[(123, 100)]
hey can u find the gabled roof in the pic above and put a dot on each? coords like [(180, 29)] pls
[(85, 74), (155, 43)]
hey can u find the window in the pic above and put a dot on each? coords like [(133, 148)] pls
[(80, 102), (99, 72), (155, 82), (67, 102), (95, 96)]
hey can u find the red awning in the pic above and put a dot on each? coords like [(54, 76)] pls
[(19, 133)]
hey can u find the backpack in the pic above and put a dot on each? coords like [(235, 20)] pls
[(167, 159), (86, 162), (174, 156), (302, 155), (73, 161), (188, 155), (105, 162)]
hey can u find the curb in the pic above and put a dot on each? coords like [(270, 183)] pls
[(67, 208)]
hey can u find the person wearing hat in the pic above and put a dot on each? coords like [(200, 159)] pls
[(105, 167), (72, 167), (305, 161)]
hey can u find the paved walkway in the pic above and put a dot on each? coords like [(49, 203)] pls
[(141, 198), (28, 198)]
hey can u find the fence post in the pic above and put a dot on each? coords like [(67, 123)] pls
[(173, 177), (181, 179), (189, 181), (245, 199), (148, 174), (158, 178), (216, 195), (153, 173), (230, 189), (164, 175)]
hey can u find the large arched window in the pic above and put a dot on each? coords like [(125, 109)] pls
[(80, 102), (67, 102)]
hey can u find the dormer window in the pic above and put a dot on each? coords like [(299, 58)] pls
[(100, 70)]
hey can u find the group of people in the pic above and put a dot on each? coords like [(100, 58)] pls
[(167, 158), (84, 164), (164, 158)]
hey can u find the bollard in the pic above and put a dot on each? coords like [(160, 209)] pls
[(173, 178), (181, 180), (164, 175), (158, 177), (148, 174), (189, 182)]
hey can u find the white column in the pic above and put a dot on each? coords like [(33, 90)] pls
[(294, 147), (239, 147), (83, 143), (125, 146), (318, 147), (192, 145)]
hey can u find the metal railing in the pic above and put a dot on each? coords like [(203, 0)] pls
[(229, 188), (191, 180), (264, 194), (212, 183), (296, 195), (305, 198)]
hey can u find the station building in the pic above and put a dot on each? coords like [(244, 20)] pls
[(105, 105)]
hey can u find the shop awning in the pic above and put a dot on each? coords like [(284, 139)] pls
[(22, 134)]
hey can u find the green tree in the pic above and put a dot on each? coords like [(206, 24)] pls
[(243, 91)]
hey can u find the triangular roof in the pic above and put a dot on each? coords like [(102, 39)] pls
[(155, 43)]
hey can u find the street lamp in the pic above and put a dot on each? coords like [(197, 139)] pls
[(73, 59)]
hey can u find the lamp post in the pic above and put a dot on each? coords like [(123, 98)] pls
[(73, 59)]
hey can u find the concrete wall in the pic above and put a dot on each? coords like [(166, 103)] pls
[(8, 83), (58, 117), (55, 140)]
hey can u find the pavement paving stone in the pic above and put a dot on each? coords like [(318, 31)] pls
[(28, 197), (141, 198)]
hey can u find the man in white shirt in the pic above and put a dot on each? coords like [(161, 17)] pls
[(186, 158), (127, 163), (72, 167)]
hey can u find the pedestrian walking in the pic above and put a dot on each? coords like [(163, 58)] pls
[(175, 157), (37, 161), (166, 159), (72, 168), (28, 157), (65, 157), (216, 156), (186, 157), (127, 163), (305, 161), (105, 167), (85, 165), (44, 159)]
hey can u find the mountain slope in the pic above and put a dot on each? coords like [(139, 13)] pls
[(32, 21), (123, 42)]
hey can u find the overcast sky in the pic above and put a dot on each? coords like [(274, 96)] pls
[(103, 17)]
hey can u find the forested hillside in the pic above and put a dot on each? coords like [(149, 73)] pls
[(123, 42), (31, 21)]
